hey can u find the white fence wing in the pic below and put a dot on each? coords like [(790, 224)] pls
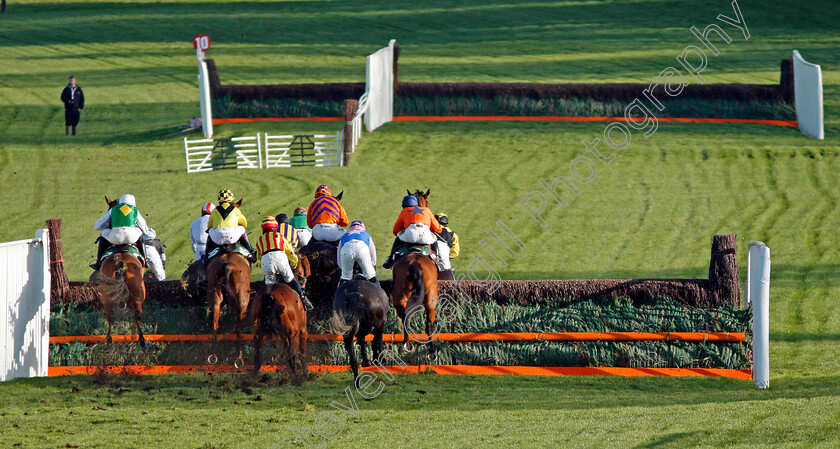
[(807, 87), (25, 307), (379, 87)]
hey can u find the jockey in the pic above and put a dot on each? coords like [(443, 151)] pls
[(285, 228), (447, 246), (356, 246), (227, 225), (155, 256), (414, 225), (326, 216), (198, 230), (120, 225), (299, 223), (278, 258)]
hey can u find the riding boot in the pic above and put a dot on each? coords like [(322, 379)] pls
[(247, 244), (74, 130), (390, 261), (100, 250), (208, 248), (142, 248), (295, 285), (375, 281)]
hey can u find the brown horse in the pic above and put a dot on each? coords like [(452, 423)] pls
[(285, 305), (416, 287), (229, 277), (119, 281)]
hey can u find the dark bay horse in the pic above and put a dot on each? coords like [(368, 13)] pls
[(359, 309), (285, 305), (324, 274), (416, 287), (119, 281)]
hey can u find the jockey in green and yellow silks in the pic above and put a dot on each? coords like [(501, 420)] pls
[(120, 225)]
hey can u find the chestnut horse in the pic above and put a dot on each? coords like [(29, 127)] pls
[(415, 285), (229, 277), (119, 281), (285, 305)]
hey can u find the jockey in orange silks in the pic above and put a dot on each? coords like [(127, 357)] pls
[(326, 216), (415, 224)]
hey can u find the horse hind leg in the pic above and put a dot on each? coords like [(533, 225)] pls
[(430, 320), (363, 349), (256, 320), (351, 352)]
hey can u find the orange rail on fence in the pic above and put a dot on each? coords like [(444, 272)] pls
[(502, 118), (413, 369), (451, 337)]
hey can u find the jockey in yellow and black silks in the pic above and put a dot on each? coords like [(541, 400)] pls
[(447, 246), (227, 225)]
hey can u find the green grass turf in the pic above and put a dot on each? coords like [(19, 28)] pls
[(651, 213), (426, 411)]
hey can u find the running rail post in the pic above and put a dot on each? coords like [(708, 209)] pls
[(759, 296)]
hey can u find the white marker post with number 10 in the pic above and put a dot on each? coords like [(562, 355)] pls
[(201, 43)]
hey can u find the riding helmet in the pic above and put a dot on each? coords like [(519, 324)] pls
[(300, 212), (442, 219), (225, 196), (283, 218), (409, 201), (269, 222), (323, 190)]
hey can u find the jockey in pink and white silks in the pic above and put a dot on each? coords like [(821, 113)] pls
[(356, 247), (198, 230), (155, 259)]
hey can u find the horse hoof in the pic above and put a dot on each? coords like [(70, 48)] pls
[(212, 359), (408, 347), (432, 357), (238, 363), (142, 344)]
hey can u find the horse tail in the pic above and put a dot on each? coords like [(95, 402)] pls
[(268, 311), (348, 314), (226, 283), (418, 286)]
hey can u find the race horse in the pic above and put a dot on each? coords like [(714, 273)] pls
[(119, 282), (359, 309), (229, 277), (416, 287), (322, 273), (281, 302)]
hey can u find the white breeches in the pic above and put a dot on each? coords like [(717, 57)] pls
[(124, 235), (154, 261), (327, 232), (274, 263), (352, 252), (417, 233), (304, 235), (442, 250), (198, 249), (226, 236)]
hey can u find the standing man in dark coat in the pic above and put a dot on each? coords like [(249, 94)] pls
[(74, 102)]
